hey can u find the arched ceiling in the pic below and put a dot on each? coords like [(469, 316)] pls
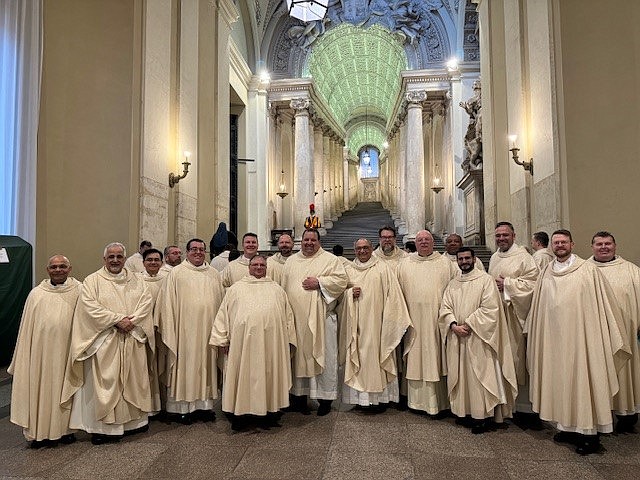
[(357, 72)]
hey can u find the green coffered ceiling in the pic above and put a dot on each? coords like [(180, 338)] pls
[(357, 71)]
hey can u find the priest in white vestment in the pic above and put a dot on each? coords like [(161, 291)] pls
[(107, 380), (154, 276), (481, 379), (388, 251), (172, 258), (254, 328), (624, 278), (423, 276), (515, 273), (188, 304), (452, 244), (542, 254), (313, 280), (239, 268), (276, 262), (373, 319), (40, 357), (575, 347)]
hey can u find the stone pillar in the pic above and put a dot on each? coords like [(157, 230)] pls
[(318, 170), (333, 179), (326, 175), (303, 163), (414, 177), (345, 179)]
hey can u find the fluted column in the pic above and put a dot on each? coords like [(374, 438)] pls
[(334, 190), (303, 177), (415, 215)]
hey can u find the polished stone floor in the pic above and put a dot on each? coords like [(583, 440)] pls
[(345, 444)]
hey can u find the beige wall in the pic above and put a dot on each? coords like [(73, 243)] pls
[(87, 174), (600, 72)]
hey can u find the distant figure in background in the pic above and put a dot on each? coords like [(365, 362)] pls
[(134, 262), (220, 239), (40, 357), (172, 258), (338, 251), (410, 247), (312, 221), (452, 244), (542, 254)]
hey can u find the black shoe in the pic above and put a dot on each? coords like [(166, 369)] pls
[(480, 426), (403, 403), (588, 444), (36, 444), (626, 423), (238, 423), (528, 421), (184, 419), (299, 404), (324, 408), (466, 422), (142, 429), (68, 439), (205, 415), (101, 439), (566, 437)]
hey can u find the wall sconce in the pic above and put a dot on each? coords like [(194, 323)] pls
[(173, 178), (436, 184), (283, 189), (526, 164)]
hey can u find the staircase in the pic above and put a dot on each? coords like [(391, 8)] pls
[(365, 220)]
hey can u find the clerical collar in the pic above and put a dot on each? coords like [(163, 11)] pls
[(608, 261), (57, 285), (117, 276), (562, 266)]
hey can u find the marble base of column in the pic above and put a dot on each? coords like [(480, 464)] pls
[(328, 223)]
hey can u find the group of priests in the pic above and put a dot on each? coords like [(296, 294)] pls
[(544, 337)]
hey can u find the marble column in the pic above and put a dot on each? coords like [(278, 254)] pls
[(318, 170), (401, 216), (303, 165), (414, 165), (332, 178), (345, 179), (326, 177)]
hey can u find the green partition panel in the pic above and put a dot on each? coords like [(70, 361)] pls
[(16, 281)]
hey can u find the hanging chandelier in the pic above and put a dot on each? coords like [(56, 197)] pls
[(307, 10)]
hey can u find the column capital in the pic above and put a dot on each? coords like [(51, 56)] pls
[(415, 98), (300, 105)]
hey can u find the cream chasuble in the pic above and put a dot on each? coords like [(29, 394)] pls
[(481, 378), (423, 280), (186, 309), (256, 323), (155, 284), (313, 314), (236, 270), (543, 257), (370, 328), (624, 278), (393, 259), (275, 263), (520, 273), (574, 349), (108, 370), (40, 359)]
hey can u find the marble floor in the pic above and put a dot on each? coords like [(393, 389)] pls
[(344, 444)]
